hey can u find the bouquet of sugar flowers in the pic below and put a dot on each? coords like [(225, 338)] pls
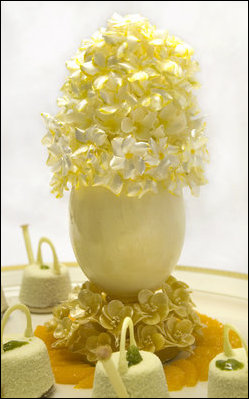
[(128, 118)]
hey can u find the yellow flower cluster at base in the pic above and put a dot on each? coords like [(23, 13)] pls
[(164, 321), (128, 117)]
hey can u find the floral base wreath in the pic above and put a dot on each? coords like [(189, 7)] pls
[(165, 321)]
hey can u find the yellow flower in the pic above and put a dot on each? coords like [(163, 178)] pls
[(113, 315), (94, 342), (180, 311), (150, 339), (177, 291), (179, 332), (193, 316), (61, 311), (195, 319), (88, 285), (174, 283), (154, 305), (73, 294), (179, 297), (64, 330), (90, 302), (77, 341)]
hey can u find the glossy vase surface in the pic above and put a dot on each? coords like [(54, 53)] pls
[(126, 244)]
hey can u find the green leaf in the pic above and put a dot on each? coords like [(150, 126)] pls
[(133, 356), (229, 364), (8, 346), (44, 267)]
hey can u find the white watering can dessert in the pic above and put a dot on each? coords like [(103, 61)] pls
[(129, 374), (228, 371), (43, 285), (25, 366)]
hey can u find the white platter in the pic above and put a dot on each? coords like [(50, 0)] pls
[(218, 294)]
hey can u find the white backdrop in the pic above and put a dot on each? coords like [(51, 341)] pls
[(39, 36)]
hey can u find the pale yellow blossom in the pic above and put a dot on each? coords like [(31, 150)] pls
[(132, 84)]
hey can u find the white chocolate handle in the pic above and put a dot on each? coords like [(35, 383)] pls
[(228, 350), (57, 268), (115, 378), (29, 330), (123, 364)]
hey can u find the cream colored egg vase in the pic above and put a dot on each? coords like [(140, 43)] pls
[(125, 244), (126, 141)]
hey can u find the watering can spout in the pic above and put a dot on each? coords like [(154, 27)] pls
[(26, 236)]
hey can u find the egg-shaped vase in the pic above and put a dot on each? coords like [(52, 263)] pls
[(126, 244)]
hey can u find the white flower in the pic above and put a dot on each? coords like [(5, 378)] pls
[(60, 156), (91, 135), (161, 156), (128, 156), (194, 151)]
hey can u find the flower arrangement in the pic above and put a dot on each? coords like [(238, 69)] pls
[(163, 320), (128, 117)]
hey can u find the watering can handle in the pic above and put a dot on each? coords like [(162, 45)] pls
[(123, 365), (29, 330), (228, 350), (57, 268)]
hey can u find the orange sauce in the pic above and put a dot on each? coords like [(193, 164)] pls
[(195, 367), (68, 368)]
